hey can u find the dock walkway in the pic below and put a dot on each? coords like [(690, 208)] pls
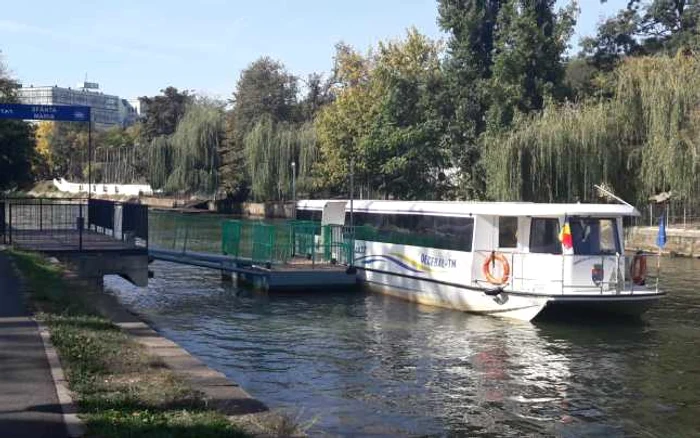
[(29, 405)]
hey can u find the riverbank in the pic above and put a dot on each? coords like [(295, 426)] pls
[(679, 241), (129, 381)]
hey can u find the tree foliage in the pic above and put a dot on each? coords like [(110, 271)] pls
[(645, 139), (645, 28), (264, 90), (16, 139), (472, 26), (164, 112), (504, 57), (343, 127), (405, 140), (271, 148), (188, 160), (527, 61)]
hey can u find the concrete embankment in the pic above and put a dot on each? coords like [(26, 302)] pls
[(679, 241), (220, 392)]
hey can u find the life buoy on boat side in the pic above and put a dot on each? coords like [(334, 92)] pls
[(491, 262), (638, 269)]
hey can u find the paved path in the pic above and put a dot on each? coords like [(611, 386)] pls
[(28, 403)]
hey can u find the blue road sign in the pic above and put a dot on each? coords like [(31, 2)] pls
[(66, 113)]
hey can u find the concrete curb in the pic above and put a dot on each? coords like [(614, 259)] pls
[(74, 425)]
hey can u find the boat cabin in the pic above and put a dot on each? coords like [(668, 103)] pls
[(525, 247)]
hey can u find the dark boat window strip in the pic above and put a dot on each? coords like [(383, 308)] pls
[(440, 232)]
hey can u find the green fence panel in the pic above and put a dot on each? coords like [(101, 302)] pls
[(231, 238), (263, 243), (304, 238)]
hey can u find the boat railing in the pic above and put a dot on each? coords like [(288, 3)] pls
[(529, 271)]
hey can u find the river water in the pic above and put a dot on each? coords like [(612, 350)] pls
[(362, 364)]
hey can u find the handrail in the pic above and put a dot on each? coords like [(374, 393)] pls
[(619, 280)]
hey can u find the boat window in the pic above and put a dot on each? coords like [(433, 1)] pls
[(508, 232), (441, 232), (544, 236), (594, 236), (309, 215)]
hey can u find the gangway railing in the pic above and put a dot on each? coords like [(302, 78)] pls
[(282, 243), (72, 222)]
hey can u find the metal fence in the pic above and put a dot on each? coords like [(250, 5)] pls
[(72, 224), (679, 214), (288, 242)]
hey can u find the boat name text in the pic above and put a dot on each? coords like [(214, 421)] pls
[(437, 262)]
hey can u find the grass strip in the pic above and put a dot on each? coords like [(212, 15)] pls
[(120, 389)]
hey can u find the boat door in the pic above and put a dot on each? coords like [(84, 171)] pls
[(597, 265), (501, 236), (542, 265)]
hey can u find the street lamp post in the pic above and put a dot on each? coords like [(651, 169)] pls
[(352, 216), (294, 187)]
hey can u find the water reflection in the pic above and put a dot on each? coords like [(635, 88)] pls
[(370, 365)]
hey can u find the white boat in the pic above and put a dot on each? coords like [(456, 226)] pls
[(503, 259)]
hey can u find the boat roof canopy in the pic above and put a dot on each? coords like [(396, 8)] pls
[(458, 208)]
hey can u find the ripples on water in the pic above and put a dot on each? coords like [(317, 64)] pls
[(369, 365)]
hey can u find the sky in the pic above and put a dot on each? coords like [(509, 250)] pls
[(138, 47)]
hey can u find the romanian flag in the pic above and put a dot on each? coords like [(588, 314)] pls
[(565, 237)]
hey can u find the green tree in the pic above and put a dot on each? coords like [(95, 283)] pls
[(643, 140), (645, 28), (527, 59), (343, 127), (163, 112), (118, 155), (386, 122), (406, 138), (318, 94), (270, 149), (188, 160), (17, 141), (264, 89), (472, 26)]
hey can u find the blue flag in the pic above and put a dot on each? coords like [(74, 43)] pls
[(661, 237)]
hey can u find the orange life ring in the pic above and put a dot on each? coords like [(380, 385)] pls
[(486, 268), (638, 269)]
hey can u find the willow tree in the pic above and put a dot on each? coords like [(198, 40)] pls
[(270, 149), (160, 161), (557, 155), (188, 160), (195, 146), (643, 140), (663, 94)]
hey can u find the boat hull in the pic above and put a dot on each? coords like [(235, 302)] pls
[(432, 293), (514, 305), (627, 305)]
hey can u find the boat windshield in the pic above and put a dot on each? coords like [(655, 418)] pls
[(594, 236)]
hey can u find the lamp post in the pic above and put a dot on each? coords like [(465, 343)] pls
[(351, 269), (294, 187)]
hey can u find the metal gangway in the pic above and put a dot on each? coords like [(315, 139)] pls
[(270, 255)]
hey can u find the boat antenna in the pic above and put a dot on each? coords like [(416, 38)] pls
[(604, 192)]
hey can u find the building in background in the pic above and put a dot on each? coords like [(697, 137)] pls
[(107, 111), (139, 105)]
